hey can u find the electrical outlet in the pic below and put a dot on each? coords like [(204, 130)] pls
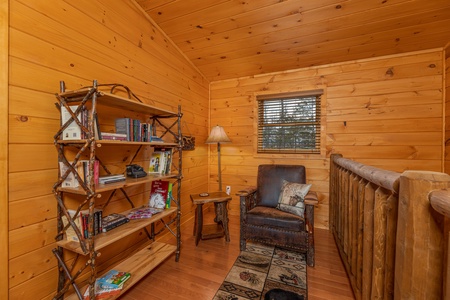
[(228, 189)]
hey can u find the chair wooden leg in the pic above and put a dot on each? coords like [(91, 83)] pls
[(310, 257), (243, 244)]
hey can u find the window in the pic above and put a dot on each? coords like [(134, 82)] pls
[(289, 123)]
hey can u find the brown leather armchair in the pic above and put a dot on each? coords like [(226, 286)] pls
[(261, 221)]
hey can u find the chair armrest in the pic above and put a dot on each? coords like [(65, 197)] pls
[(247, 200), (245, 192), (311, 198)]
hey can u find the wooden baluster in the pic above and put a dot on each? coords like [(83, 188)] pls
[(369, 200), (379, 244), (391, 234), (359, 262), (354, 228)]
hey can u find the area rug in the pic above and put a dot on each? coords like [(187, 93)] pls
[(265, 272)]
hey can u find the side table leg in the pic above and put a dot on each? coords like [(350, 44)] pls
[(195, 221), (225, 221), (199, 222)]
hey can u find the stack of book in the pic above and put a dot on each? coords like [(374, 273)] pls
[(111, 178), (82, 167), (82, 222), (73, 130), (135, 130), (112, 221), (161, 161), (114, 136), (110, 284), (143, 212)]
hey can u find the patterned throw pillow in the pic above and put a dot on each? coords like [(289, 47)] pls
[(292, 197)]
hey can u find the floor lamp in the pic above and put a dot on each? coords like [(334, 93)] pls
[(218, 136)]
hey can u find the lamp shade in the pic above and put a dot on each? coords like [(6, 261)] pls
[(217, 135)]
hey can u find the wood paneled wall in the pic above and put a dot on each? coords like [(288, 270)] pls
[(447, 110), (78, 41), (385, 112), (4, 62)]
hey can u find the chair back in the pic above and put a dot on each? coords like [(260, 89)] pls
[(270, 179)]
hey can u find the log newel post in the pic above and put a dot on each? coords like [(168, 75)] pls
[(420, 245)]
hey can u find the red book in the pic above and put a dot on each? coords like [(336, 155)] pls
[(158, 194)]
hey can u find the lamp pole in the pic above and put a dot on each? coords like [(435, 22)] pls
[(218, 135), (220, 173)]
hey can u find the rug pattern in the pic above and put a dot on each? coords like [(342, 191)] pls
[(262, 268)]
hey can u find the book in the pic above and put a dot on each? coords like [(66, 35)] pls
[(122, 126), (73, 130), (136, 130), (71, 179), (97, 132), (156, 139), (105, 179), (84, 221), (143, 213), (169, 195), (168, 161), (158, 194), (156, 162), (70, 231), (110, 284), (114, 136), (161, 161), (102, 293), (85, 173), (113, 220), (112, 279)]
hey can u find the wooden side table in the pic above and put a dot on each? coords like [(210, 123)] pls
[(220, 200)]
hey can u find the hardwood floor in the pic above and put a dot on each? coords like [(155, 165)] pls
[(201, 269)]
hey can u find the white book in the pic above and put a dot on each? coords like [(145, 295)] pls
[(70, 232), (157, 162), (73, 131), (71, 180)]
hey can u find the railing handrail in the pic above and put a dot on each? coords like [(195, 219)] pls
[(391, 240), (387, 179), (440, 201)]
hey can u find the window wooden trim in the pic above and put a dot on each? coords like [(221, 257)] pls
[(323, 104)]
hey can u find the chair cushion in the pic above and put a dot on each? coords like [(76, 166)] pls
[(272, 217), (292, 197)]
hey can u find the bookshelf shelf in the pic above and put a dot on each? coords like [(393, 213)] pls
[(116, 101), (148, 256), (107, 238), (100, 188), (80, 110), (99, 143)]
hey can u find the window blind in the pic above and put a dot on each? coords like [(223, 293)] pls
[(289, 123)]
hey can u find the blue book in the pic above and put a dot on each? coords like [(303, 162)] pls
[(113, 279)]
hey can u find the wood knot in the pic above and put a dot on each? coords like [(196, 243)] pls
[(23, 118), (390, 72), (432, 66), (338, 6)]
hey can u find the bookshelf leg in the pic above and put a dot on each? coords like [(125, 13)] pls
[(64, 272)]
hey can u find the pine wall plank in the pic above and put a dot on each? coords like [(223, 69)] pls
[(383, 111), (78, 42), (4, 106), (447, 114)]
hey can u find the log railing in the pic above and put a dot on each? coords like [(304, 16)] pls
[(391, 240)]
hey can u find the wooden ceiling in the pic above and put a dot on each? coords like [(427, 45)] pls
[(234, 38)]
